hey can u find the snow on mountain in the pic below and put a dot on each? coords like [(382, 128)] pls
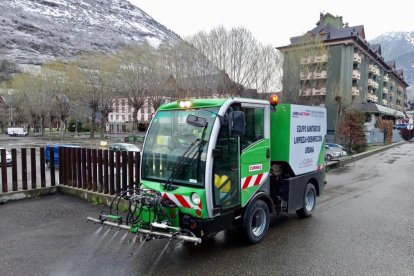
[(399, 46), (36, 31)]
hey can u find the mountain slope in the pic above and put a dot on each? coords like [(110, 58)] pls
[(399, 46), (36, 31)]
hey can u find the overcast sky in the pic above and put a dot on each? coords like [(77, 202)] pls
[(274, 22)]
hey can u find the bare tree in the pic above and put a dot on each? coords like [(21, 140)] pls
[(94, 73), (239, 54)]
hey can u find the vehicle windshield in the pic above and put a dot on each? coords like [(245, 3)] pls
[(173, 145)]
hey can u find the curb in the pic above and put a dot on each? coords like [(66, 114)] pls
[(27, 194), (353, 158)]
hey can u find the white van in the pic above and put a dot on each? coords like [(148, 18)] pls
[(16, 131)]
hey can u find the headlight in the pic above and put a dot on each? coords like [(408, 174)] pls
[(195, 198)]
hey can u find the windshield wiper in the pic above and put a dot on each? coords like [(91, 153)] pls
[(187, 159), (184, 161)]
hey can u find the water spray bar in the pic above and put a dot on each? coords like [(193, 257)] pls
[(147, 232)]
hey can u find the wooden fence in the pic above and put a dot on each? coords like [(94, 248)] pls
[(98, 170)]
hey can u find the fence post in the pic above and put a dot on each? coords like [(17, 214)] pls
[(131, 169), (14, 169), (84, 179), (89, 168), (52, 166), (105, 178), (124, 171), (33, 166), (79, 166), (42, 168), (61, 166), (94, 171), (73, 167), (4, 171), (100, 175), (118, 172), (111, 172), (23, 153)]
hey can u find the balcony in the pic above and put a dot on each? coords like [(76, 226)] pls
[(385, 90), (319, 91), (321, 58), (399, 98), (391, 105), (386, 79), (306, 92), (372, 97), (357, 58), (306, 60), (376, 71), (306, 76), (355, 92), (320, 75), (356, 75), (372, 83), (384, 102), (391, 94), (371, 69)]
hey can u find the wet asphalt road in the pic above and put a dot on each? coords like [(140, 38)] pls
[(363, 225)]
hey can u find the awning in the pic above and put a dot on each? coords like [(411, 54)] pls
[(380, 109)]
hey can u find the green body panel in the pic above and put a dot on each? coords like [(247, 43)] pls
[(322, 154), (253, 162), (195, 103), (184, 192), (279, 133)]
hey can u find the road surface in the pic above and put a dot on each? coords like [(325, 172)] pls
[(363, 225)]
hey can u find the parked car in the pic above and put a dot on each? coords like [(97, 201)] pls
[(8, 158), (343, 150), (400, 126), (123, 147), (55, 153), (333, 153)]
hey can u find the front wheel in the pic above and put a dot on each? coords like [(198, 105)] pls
[(256, 221), (309, 202)]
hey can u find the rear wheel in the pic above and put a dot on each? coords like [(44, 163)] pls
[(309, 201), (256, 221)]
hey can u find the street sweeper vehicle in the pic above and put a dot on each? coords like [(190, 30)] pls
[(211, 164)]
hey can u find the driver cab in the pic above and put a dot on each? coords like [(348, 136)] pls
[(242, 143)]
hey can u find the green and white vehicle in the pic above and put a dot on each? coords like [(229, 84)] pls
[(210, 164)]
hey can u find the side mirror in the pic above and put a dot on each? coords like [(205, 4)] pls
[(237, 123), (196, 121)]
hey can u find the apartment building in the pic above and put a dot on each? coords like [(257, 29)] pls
[(341, 69)]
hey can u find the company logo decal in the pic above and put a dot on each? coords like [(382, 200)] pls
[(256, 167)]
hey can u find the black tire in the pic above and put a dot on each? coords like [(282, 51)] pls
[(256, 221), (309, 202)]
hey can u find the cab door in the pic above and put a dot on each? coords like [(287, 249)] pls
[(255, 150), (226, 170)]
